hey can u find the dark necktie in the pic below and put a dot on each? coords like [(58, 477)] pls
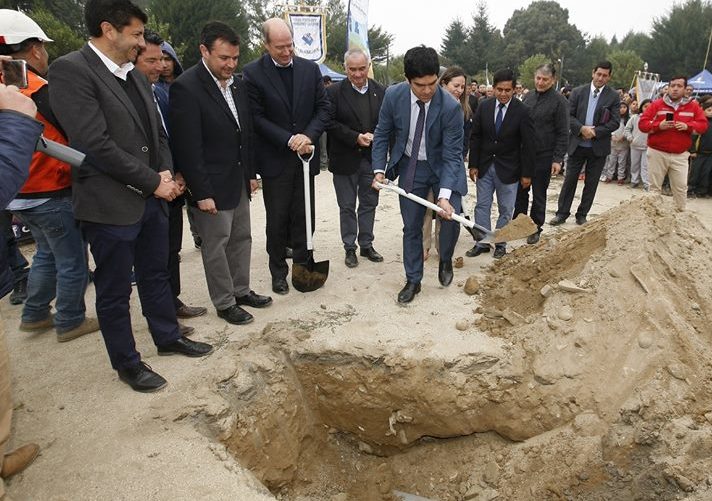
[(595, 93), (419, 126), (498, 120)]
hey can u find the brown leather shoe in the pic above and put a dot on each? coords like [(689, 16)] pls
[(185, 311), (186, 330), (19, 459), (88, 326)]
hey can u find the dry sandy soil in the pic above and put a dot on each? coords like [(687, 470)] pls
[(580, 368)]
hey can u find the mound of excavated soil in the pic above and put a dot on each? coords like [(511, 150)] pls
[(597, 385)]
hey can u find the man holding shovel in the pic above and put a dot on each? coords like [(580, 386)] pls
[(427, 125)]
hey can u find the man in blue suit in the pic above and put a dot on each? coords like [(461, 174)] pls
[(426, 124)]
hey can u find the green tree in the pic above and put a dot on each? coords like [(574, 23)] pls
[(452, 47), (186, 18), (637, 42), (542, 28), (528, 67), (484, 43), (679, 40), (625, 64), (65, 39)]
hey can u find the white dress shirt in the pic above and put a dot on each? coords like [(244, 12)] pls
[(226, 92), (414, 111), (121, 72)]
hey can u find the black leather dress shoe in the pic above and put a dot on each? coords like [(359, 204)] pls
[(184, 346), (280, 285), (185, 311), (477, 250), (580, 220), (371, 255), (499, 252), (557, 220), (235, 315), (533, 238), (445, 272), (254, 300), (351, 261), (141, 378), (408, 292)]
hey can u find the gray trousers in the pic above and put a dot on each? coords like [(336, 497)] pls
[(226, 250), (355, 223)]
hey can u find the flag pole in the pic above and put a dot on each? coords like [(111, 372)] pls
[(704, 66)]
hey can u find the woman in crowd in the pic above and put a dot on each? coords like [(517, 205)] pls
[(454, 81)]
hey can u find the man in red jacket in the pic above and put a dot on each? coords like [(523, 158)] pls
[(670, 122)]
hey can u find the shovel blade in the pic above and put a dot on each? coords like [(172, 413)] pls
[(309, 276)]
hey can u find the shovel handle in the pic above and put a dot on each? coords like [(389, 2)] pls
[(436, 208), (307, 197)]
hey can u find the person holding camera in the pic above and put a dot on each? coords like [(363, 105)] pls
[(670, 122), (44, 203)]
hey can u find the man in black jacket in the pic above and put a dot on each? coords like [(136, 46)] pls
[(211, 137), (501, 156), (355, 103), (550, 112), (290, 111)]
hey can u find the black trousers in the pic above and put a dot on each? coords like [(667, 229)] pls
[(594, 168), (175, 238), (286, 223), (116, 249), (540, 183)]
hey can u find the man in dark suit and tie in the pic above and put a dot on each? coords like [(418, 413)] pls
[(427, 125), (355, 103), (501, 156), (290, 112), (594, 117), (119, 193), (211, 139)]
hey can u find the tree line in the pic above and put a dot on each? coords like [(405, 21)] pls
[(538, 33), (542, 32)]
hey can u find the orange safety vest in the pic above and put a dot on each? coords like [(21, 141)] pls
[(47, 174)]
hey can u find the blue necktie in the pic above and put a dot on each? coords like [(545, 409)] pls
[(419, 126), (498, 120)]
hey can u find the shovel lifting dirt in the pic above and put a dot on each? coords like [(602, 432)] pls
[(309, 276), (517, 229)]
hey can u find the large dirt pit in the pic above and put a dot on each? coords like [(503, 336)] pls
[(593, 382)]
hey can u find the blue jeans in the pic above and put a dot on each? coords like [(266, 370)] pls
[(59, 268), (18, 264), (487, 186)]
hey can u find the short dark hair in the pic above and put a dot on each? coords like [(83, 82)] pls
[(215, 30), (679, 77), (421, 61), (326, 79), (505, 75), (604, 65), (152, 37), (118, 13)]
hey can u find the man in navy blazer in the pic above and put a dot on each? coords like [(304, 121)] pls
[(594, 117), (421, 116), (501, 155), (290, 111)]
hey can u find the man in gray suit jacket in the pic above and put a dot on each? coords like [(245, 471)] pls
[(594, 117), (427, 154), (119, 192)]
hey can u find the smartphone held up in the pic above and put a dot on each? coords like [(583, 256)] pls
[(14, 72)]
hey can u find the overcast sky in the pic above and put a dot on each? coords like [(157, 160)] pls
[(413, 22)]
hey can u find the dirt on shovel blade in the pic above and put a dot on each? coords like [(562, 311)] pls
[(305, 279), (520, 227)]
